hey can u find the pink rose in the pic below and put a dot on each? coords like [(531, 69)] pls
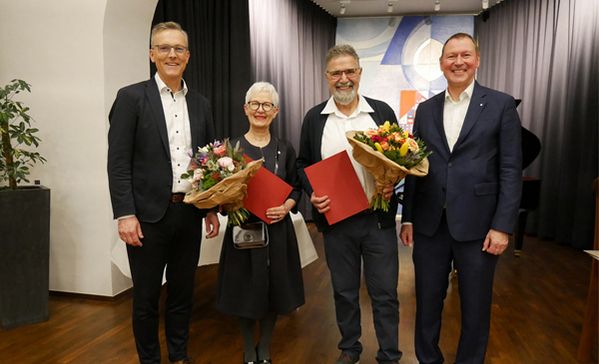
[(226, 163), (220, 150)]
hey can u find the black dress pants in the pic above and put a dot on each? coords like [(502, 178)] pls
[(173, 242), (432, 258), (347, 244)]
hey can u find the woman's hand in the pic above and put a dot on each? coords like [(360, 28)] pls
[(278, 213)]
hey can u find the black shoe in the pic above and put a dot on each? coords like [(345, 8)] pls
[(346, 358), (264, 361)]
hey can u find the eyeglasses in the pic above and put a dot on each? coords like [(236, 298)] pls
[(349, 73), (165, 49), (266, 106)]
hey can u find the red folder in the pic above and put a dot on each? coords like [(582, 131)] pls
[(265, 190), (335, 177)]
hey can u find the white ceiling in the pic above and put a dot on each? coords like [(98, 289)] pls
[(355, 8)]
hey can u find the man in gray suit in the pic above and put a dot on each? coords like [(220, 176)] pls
[(465, 208), (154, 125)]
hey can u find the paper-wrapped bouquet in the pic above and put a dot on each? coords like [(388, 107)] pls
[(389, 154), (219, 174)]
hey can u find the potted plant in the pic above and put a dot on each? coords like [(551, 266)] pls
[(24, 215)]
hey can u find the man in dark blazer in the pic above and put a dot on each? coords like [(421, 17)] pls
[(154, 126), (368, 237), (465, 208)]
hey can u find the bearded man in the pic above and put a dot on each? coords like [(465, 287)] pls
[(368, 237)]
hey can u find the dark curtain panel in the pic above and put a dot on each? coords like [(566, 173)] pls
[(546, 53), (220, 64), (290, 39)]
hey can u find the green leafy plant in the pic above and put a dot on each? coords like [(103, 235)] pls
[(17, 137)]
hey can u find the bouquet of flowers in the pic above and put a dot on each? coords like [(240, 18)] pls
[(218, 174), (389, 154)]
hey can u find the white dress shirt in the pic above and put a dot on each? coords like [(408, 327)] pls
[(178, 130), (334, 140), (454, 113)]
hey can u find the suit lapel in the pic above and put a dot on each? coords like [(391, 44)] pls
[(438, 120), (158, 113), (477, 104), (194, 116)]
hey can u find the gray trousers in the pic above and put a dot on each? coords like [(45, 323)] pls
[(347, 244)]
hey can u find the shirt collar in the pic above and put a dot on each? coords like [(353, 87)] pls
[(467, 93), (162, 87), (363, 106)]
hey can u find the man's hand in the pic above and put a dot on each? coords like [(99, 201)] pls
[(496, 242), (212, 224), (388, 191), (321, 203), (130, 231), (407, 234)]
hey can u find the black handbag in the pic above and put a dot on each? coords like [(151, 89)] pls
[(250, 236)]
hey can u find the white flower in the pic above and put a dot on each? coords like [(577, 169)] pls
[(227, 163), (198, 174)]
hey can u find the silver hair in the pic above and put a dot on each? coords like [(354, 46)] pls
[(342, 50), (262, 86)]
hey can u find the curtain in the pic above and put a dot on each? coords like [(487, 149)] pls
[(220, 64), (289, 42), (545, 52), (290, 39)]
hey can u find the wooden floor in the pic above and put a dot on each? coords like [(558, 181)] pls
[(537, 316)]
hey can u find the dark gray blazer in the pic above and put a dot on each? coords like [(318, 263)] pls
[(139, 162)]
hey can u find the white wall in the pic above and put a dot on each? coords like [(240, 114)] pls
[(76, 54)]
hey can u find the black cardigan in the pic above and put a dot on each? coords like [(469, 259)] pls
[(309, 153)]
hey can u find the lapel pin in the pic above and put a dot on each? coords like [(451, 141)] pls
[(481, 104)]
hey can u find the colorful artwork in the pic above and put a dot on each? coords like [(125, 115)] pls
[(400, 57)]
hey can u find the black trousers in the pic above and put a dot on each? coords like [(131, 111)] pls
[(432, 258), (173, 242), (347, 244)]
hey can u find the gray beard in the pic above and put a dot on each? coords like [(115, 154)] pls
[(344, 97)]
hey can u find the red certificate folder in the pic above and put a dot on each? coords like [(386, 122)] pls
[(265, 190), (335, 177)]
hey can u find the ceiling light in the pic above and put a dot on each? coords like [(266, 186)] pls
[(437, 5), (485, 4), (389, 7), (342, 4)]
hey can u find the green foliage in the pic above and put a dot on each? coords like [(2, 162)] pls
[(17, 136)]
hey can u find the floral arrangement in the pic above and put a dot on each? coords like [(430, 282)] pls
[(395, 143), (388, 153), (218, 174)]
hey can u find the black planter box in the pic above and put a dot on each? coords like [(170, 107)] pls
[(24, 255)]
